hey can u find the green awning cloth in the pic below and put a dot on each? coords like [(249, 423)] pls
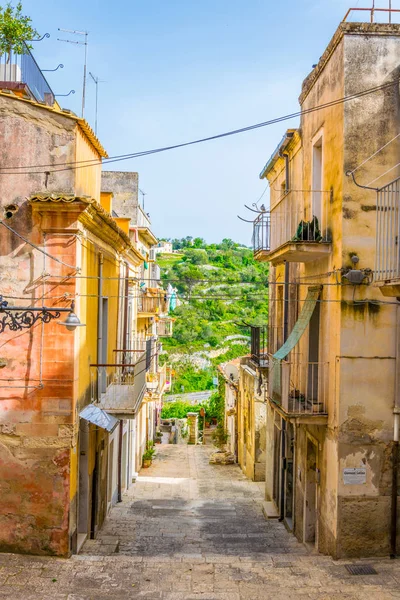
[(301, 323), (275, 385)]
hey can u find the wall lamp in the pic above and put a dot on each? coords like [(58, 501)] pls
[(17, 318)]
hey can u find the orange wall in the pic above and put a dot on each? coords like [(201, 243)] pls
[(87, 179)]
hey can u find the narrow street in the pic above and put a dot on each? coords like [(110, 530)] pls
[(186, 531)]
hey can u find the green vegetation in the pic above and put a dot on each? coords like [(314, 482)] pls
[(180, 409), (187, 378), (222, 291), (15, 30), (150, 452)]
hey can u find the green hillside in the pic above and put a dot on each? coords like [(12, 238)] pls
[(221, 289)]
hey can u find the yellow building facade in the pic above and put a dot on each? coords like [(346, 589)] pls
[(332, 344)]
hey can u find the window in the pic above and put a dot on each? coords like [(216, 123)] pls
[(317, 179)]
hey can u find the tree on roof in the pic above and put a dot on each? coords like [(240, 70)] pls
[(15, 30)]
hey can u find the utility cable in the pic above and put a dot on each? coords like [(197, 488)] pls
[(374, 154), (225, 297), (380, 176), (94, 162)]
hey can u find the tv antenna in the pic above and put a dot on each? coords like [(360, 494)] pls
[(143, 195), (96, 81), (85, 43)]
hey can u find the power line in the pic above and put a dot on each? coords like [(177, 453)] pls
[(118, 158), (37, 247), (189, 298)]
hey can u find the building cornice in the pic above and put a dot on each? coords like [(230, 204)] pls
[(288, 144), (92, 216), (344, 29)]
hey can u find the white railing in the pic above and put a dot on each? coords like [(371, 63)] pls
[(142, 220), (387, 262), (299, 216), (164, 328), (119, 387), (162, 378), (299, 387)]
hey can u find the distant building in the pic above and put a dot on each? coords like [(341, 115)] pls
[(76, 404), (163, 248)]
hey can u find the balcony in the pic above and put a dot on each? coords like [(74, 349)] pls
[(119, 388), (156, 381), (21, 74), (291, 231), (258, 344), (150, 305), (164, 327), (387, 262), (299, 388)]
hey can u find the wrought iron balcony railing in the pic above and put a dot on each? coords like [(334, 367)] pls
[(17, 70), (387, 264), (297, 217), (299, 387), (156, 381), (164, 328), (262, 233), (258, 343), (153, 303), (119, 388)]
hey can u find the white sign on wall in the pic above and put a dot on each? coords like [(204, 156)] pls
[(355, 476)]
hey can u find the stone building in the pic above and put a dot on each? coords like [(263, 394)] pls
[(332, 338), (69, 400), (149, 304)]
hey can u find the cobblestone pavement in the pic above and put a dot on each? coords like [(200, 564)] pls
[(189, 531)]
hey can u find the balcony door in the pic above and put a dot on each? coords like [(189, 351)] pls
[(313, 356), (103, 345), (317, 179)]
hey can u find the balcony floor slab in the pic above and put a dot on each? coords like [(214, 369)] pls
[(299, 252), (389, 288)]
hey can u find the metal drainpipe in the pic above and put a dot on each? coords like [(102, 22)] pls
[(286, 304), (395, 449), (124, 347)]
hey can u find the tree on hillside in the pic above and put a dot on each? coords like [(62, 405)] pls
[(227, 243), (196, 256), (15, 30), (199, 242)]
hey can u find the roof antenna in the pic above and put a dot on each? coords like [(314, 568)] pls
[(143, 195), (96, 81), (85, 43)]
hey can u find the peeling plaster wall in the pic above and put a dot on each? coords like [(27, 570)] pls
[(251, 426), (38, 423), (357, 340)]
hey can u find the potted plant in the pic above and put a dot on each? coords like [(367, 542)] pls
[(220, 437), (158, 437), (147, 458)]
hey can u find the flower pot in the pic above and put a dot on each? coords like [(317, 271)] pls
[(147, 463)]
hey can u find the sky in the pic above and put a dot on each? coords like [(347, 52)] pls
[(177, 70)]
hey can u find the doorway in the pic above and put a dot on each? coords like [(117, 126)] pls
[(313, 355), (317, 179), (104, 345), (288, 474), (276, 488), (310, 496), (83, 482)]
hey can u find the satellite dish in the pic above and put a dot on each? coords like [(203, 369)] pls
[(231, 372)]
